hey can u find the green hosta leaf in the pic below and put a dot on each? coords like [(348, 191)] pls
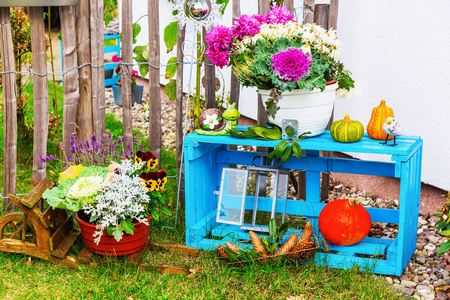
[(444, 247), (136, 30), (290, 131), (171, 69), (287, 154), (171, 89), (170, 35), (297, 150), (281, 44), (127, 226)]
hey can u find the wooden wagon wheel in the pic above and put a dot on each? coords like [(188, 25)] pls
[(17, 226)]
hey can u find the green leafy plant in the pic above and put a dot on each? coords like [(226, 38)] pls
[(443, 224)]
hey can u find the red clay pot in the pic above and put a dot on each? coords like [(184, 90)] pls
[(130, 243)]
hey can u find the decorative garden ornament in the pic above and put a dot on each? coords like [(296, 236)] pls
[(393, 128), (213, 122), (199, 13)]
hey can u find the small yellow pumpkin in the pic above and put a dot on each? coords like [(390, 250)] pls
[(347, 131), (379, 116)]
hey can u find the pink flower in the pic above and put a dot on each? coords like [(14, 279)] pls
[(219, 38), (135, 73), (291, 65), (444, 217), (279, 15), (116, 58), (247, 26), (218, 58)]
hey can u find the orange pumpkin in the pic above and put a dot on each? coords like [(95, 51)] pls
[(379, 116)]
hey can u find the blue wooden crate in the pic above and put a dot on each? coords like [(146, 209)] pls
[(205, 156)]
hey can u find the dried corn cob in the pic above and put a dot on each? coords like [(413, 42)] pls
[(221, 251), (288, 246), (232, 247), (257, 245)]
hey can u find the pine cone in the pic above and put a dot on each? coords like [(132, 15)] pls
[(307, 231), (288, 246), (233, 247), (302, 245), (221, 251), (304, 241), (257, 245)]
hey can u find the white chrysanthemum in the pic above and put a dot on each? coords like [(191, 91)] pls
[(345, 94), (335, 53), (306, 48), (323, 48), (211, 120), (85, 187), (309, 36)]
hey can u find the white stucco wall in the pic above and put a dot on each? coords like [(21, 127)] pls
[(397, 50)]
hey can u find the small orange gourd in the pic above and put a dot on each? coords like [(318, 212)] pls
[(379, 116)]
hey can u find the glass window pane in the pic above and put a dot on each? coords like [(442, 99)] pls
[(233, 190)]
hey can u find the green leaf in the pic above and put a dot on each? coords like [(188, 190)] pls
[(222, 11), (265, 242), (281, 44), (143, 69), (117, 233), (273, 229), (165, 211), (171, 89), (290, 131), (171, 69), (287, 154), (109, 230), (170, 35), (284, 227), (445, 232), (108, 19), (279, 149), (231, 254), (156, 215), (297, 150), (136, 30), (94, 171), (444, 247), (127, 226)]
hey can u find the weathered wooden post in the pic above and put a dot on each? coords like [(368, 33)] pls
[(40, 91), (155, 141), (179, 96), (71, 84), (9, 110), (98, 73), (210, 78), (235, 86), (126, 69), (85, 121), (263, 8)]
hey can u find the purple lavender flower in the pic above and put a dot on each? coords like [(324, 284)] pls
[(247, 26), (291, 65), (42, 159), (51, 157), (279, 15)]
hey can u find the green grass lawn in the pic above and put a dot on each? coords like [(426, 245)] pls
[(22, 277)]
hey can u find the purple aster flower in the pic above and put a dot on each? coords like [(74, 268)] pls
[(247, 26), (218, 58), (291, 65), (279, 15)]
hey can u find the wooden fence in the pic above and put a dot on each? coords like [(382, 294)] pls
[(82, 29)]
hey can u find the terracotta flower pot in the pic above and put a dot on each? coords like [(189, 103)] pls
[(130, 243)]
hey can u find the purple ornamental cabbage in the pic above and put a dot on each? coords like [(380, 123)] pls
[(291, 65)]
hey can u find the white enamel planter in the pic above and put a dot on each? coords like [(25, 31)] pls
[(312, 109)]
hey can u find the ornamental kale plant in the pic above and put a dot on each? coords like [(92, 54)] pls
[(274, 52)]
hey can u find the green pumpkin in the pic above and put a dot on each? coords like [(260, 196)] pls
[(347, 131)]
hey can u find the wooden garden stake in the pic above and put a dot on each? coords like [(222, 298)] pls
[(126, 70), (84, 112), (40, 92), (9, 110), (155, 140), (71, 84), (210, 78)]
